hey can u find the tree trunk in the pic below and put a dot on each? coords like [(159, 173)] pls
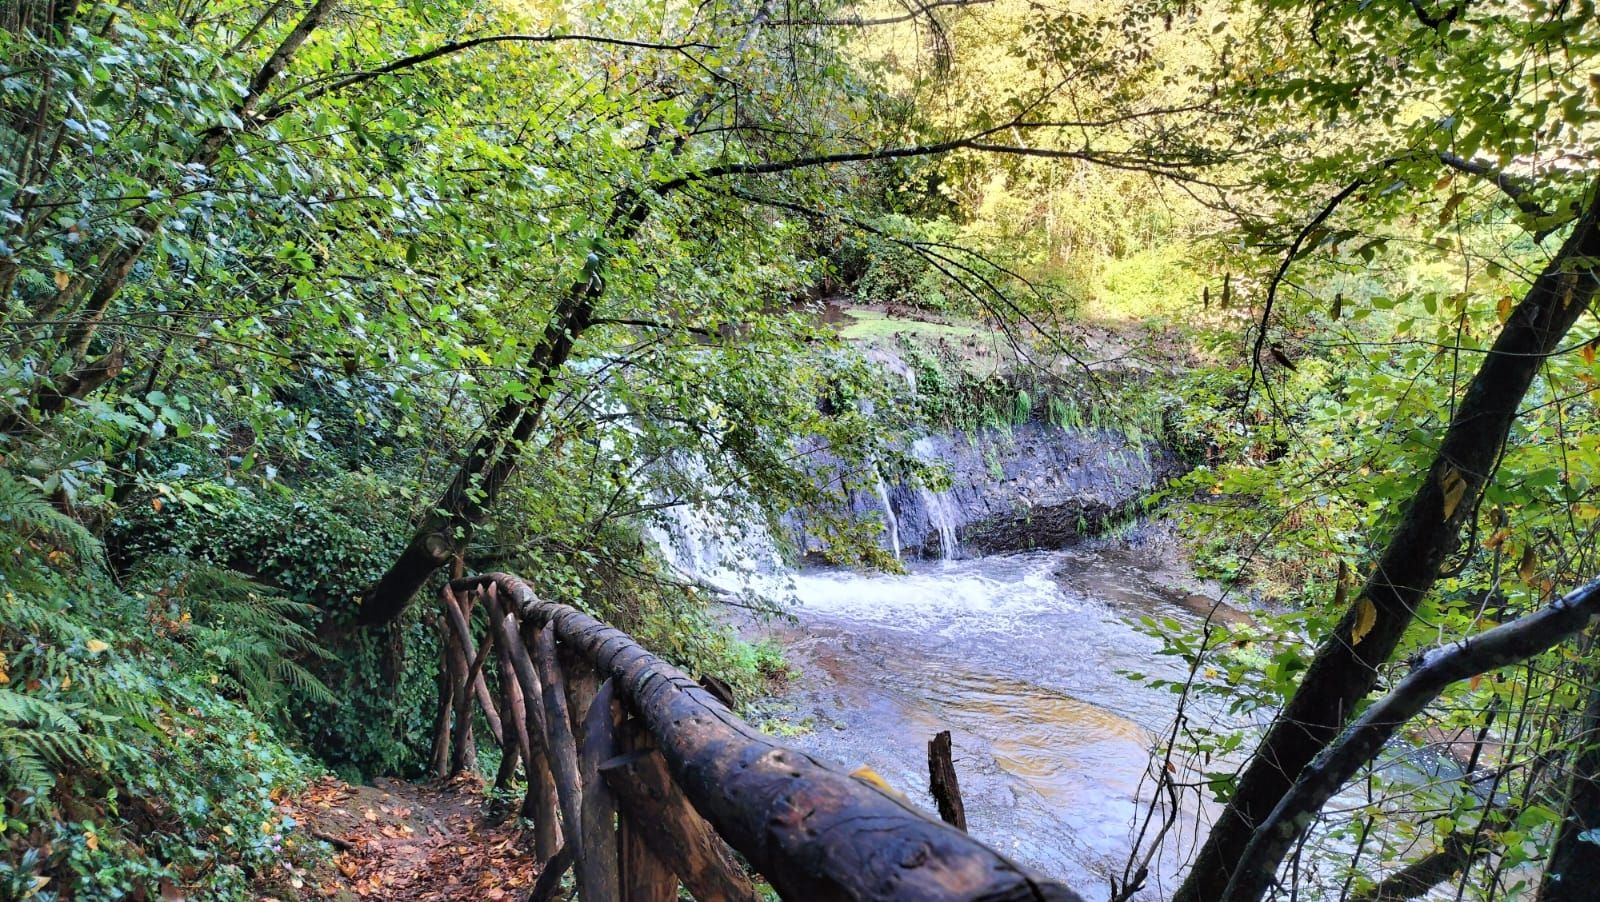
[(1344, 669), (1573, 872), (476, 485)]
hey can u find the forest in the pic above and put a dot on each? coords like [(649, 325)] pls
[(1183, 410)]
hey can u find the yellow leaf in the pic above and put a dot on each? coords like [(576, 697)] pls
[(1450, 206), (1454, 486), (1366, 619), (1503, 308), (1528, 564), (1587, 353), (95, 646), (92, 841), (1477, 678), (870, 777), (155, 504), (62, 281)]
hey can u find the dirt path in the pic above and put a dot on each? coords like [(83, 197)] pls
[(405, 841)]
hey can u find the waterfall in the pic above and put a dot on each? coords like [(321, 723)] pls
[(890, 521), (720, 541), (944, 517), (711, 548), (941, 517)]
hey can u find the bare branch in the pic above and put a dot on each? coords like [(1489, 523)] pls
[(331, 84), (917, 11), (1169, 168)]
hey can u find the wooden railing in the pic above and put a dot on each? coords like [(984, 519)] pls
[(639, 778)]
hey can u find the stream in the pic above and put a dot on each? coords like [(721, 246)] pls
[(1020, 656)]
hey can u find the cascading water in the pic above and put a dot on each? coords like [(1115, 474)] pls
[(1021, 656), (726, 547), (942, 518), (942, 512), (891, 523)]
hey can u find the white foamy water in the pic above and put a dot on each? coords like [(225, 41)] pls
[(940, 595)]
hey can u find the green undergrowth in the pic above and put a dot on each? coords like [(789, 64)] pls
[(950, 396), (140, 760), (873, 325)]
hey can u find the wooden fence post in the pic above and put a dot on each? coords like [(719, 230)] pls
[(645, 877), (439, 762), (559, 743), (539, 805), (942, 781), (512, 713), (460, 616), (463, 752), (655, 808), (597, 821)]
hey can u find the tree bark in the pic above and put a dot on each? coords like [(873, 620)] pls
[(1572, 873), (1502, 646), (1344, 669)]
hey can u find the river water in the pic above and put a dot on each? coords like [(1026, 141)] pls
[(1022, 657)]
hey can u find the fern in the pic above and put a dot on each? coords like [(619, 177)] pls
[(27, 515), (254, 635), (108, 695)]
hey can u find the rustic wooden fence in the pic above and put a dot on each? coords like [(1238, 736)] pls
[(640, 779)]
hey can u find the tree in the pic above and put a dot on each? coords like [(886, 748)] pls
[(1470, 62)]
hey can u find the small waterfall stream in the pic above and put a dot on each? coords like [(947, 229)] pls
[(942, 520), (891, 522)]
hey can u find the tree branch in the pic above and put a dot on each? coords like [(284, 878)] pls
[(921, 9), (1364, 738), (1283, 270), (1514, 187), (306, 93), (1168, 168)]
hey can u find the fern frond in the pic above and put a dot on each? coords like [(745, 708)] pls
[(27, 514)]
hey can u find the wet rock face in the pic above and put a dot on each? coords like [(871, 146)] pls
[(1035, 486)]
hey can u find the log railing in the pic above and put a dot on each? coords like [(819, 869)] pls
[(639, 779)]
